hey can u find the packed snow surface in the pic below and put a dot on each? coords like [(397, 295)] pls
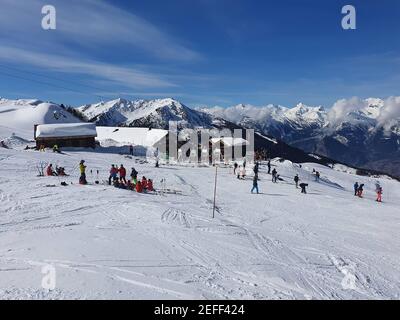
[(109, 243)]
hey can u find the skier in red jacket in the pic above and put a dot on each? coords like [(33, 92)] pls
[(122, 173), (139, 187), (144, 183), (150, 185), (113, 174), (49, 170)]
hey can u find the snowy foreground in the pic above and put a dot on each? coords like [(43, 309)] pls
[(111, 243)]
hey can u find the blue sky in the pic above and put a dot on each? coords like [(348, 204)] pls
[(202, 52)]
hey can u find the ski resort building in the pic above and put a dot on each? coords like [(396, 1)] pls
[(65, 135)]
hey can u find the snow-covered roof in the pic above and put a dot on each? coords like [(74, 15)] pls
[(131, 136), (66, 130), (230, 142)]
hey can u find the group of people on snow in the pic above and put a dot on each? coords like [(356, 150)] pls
[(359, 189), (139, 186), (59, 171), (118, 179)]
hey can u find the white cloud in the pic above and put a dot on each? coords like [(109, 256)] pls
[(390, 114), (88, 23), (128, 77), (238, 112), (343, 107)]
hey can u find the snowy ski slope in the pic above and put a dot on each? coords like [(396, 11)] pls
[(111, 243)]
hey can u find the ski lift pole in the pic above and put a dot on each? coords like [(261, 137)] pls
[(215, 189)]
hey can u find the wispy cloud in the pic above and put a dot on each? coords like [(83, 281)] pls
[(89, 23), (128, 77)]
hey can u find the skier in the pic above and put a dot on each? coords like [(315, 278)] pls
[(317, 176), (356, 188), (303, 187), (139, 187), (379, 194), (113, 174), (235, 166), (256, 169), (378, 190), (269, 166), (49, 170), (255, 184), (122, 173), (274, 175), (296, 180), (131, 150), (82, 169), (360, 190), (150, 185), (144, 183), (134, 174)]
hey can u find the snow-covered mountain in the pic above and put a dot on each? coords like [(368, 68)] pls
[(157, 114), (355, 131), (362, 133), (148, 113), (278, 121), (19, 116)]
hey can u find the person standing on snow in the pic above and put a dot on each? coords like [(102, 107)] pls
[(379, 194), (269, 166), (303, 187), (256, 168), (296, 180), (131, 150), (274, 174), (317, 176), (255, 184), (235, 166), (82, 170), (356, 189), (360, 190), (122, 173), (113, 174), (134, 174), (378, 190)]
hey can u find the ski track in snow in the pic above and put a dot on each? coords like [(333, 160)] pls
[(110, 243)]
